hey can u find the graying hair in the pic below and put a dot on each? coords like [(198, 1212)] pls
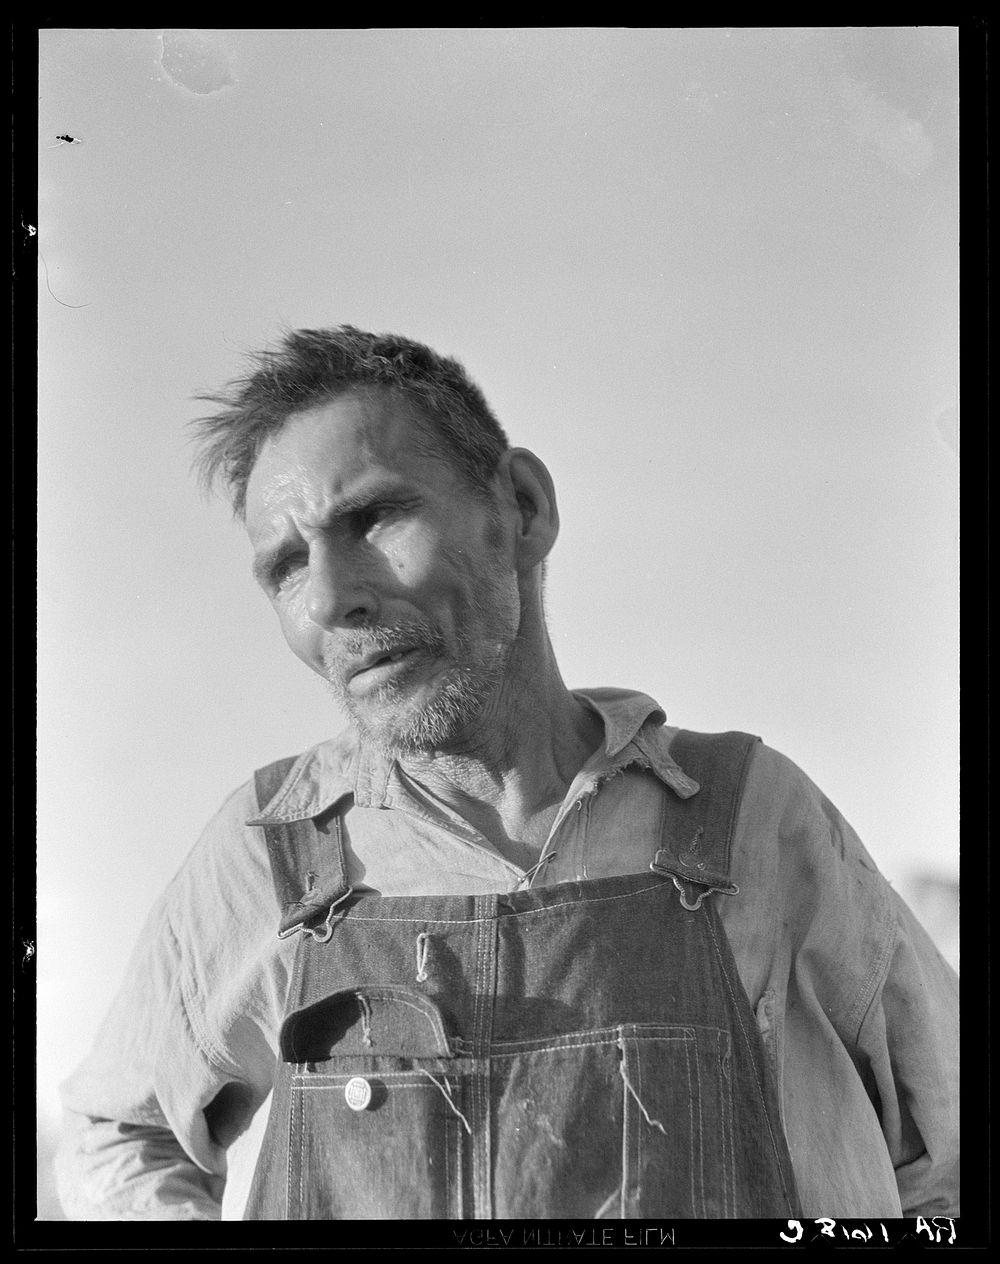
[(312, 365)]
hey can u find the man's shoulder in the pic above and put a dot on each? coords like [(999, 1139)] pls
[(766, 766), (303, 785), (632, 716), (231, 853), (291, 788), (785, 812), (776, 795)]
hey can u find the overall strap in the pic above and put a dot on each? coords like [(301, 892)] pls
[(697, 833), (307, 867)]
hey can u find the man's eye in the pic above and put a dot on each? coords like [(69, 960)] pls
[(373, 515), (283, 570)]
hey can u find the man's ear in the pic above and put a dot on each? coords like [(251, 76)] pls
[(528, 489)]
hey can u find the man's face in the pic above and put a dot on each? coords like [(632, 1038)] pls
[(390, 577)]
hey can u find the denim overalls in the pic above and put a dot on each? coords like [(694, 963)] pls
[(581, 1050)]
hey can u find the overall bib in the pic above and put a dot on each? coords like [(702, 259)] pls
[(582, 1050)]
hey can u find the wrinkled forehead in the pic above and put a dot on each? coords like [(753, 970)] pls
[(331, 448)]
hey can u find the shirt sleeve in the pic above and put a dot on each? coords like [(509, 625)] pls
[(909, 1040), (121, 1157), (857, 1008), (186, 1053)]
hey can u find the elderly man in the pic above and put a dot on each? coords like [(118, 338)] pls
[(503, 948)]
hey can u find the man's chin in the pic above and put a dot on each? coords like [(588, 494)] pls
[(433, 721), (424, 731)]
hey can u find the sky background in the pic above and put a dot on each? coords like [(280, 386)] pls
[(709, 276)]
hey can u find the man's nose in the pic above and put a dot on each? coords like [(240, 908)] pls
[(338, 594)]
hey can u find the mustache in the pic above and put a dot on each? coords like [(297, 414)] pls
[(382, 638)]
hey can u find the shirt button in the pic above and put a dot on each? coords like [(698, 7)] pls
[(358, 1092)]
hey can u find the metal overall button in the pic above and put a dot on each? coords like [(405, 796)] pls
[(357, 1092)]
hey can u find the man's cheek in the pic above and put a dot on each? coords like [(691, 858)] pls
[(304, 639), (416, 558)]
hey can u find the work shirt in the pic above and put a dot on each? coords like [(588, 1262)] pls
[(857, 1009)]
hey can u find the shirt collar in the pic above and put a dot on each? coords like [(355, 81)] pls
[(634, 733)]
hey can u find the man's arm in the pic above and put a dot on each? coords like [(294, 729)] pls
[(857, 1007), (120, 1156), (910, 1041), (116, 1171), (186, 1054)]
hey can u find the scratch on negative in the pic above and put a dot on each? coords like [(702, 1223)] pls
[(655, 1123), (76, 306)]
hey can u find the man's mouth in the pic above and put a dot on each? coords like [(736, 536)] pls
[(381, 666), (378, 658)]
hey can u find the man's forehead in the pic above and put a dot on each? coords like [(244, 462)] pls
[(330, 448), (364, 423), (348, 428)]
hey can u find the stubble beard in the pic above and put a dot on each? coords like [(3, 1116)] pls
[(387, 720)]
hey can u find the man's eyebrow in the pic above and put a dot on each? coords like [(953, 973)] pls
[(355, 502), (262, 562), (365, 498)]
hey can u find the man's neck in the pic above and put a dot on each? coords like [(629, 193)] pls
[(512, 769)]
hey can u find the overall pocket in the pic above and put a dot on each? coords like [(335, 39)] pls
[(677, 1136), (374, 1144), (376, 1111), (626, 1121)]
